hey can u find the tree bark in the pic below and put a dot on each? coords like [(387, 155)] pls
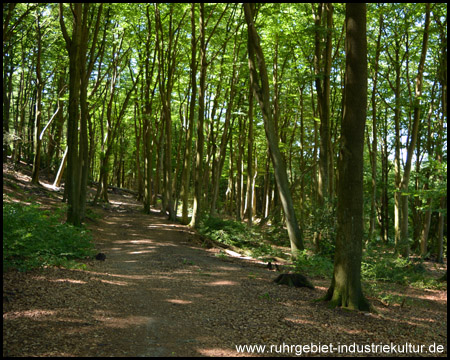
[(260, 84), (374, 150), (403, 246), (324, 12), (345, 289), (188, 151), (197, 207), (38, 114), (73, 172)]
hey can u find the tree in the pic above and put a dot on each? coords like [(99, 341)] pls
[(403, 241), (77, 140), (197, 208), (190, 132), (345, 289), (39, 88), (260, 84), (73, 173), (191, 114), (324, 11)]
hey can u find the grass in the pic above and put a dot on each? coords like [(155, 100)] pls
[(33, 238)]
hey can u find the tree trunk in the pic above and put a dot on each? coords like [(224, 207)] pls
[(38, 115), (374, 150), (403, 247), (197, 208), (345, 289), (147, 126), (188, 151), (73, 161), (250, 180), (260, 83), (324, 11)]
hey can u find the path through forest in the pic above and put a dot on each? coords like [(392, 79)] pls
[(159, 293)]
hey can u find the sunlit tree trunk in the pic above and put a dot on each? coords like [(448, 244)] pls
[(260, 84), (403, 247), (197, 208), (38, 114), (188, 151)]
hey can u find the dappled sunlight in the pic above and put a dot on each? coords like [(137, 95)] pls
[(35, 314), (179, 301), (228, 268), (72, 281), (299, 320), (165, 226), (143, 241), (50, 186), (122, 203), (158, 293), (120, 283), (140, 252), (216, 352), (122, 322), (223, 283)]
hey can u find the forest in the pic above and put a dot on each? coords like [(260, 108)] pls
[(310, 137)]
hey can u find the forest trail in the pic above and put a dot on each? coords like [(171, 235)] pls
[(168, 295), (159, 293)]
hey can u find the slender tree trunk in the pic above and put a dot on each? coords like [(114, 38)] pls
[(324, 11), (57, 126), (345, 289), (198, 195), (403, 247), (147, 127), (384, 209), (260, 85), (374, 150), (250, 180), (73, 161), (188, 151), (60, 172), (38, 114), (441, 132)]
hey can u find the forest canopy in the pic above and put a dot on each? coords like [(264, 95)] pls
[(157, 98)]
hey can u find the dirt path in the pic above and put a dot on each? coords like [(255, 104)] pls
[(176, 298), (158, 293)]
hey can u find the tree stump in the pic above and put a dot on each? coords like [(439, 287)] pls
[(297, 280), (100, 256)]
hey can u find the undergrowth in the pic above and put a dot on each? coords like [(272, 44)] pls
[(34, 238), (238, 234), (377, 264)]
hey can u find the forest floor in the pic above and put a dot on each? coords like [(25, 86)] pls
[(160, 293)]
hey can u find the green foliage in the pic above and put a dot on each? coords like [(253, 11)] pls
[(224, 231), (34, 238), (323, 221), (313, 265), (238, 234), (277, 235), (389, 267)]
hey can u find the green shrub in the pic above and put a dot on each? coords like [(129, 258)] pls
[(34, 238), (323, 221), (313, 265), (237, 234), (224, 231), (385, 266)]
